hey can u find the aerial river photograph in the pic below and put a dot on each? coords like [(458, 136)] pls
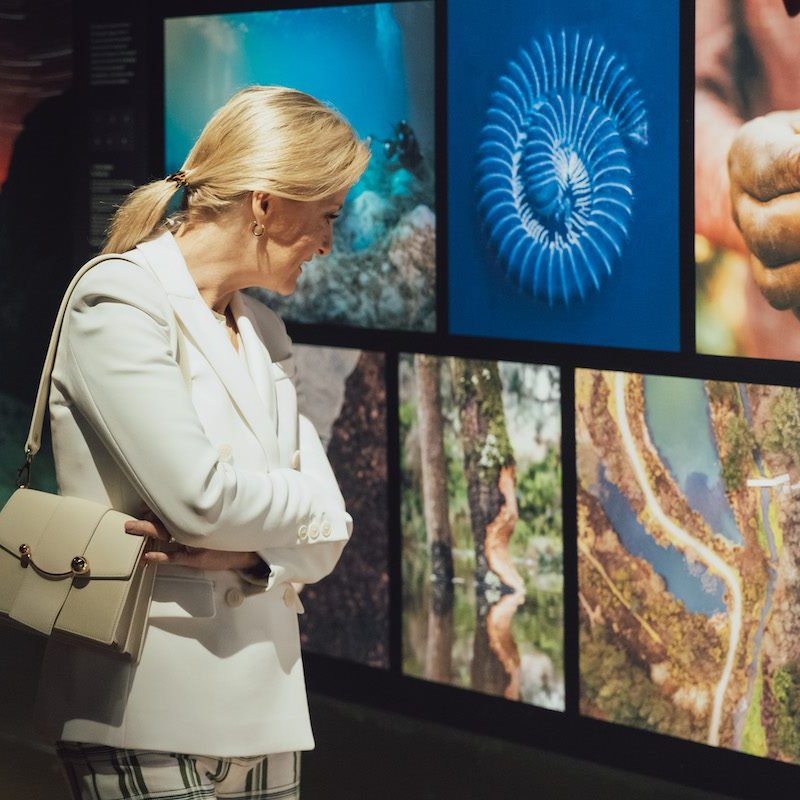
[(689, 558)]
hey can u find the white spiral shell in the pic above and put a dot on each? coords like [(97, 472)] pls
[(554, 177)]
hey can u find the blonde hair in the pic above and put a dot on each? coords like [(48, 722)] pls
[(265, 138)]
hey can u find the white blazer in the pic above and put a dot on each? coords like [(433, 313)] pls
[(216, 449)]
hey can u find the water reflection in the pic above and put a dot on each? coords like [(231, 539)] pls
[(502, 644)]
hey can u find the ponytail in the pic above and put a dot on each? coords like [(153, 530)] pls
[(140, 215), (265, 138)]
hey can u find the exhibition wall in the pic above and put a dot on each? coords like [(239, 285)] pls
[(551, 377)]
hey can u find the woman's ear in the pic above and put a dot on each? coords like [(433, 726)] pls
[(259, 205)]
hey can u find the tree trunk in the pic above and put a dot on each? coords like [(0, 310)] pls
[(488, 467), (438, 654), (490, 476)]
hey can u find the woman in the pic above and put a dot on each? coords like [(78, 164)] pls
[(171, 401)]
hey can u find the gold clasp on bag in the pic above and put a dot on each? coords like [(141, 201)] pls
[(79, 566)]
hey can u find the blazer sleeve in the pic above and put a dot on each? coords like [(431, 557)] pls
[(300, 564), (308, 564), (117, 365)]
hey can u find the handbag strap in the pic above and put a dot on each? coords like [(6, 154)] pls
[(40, 404)]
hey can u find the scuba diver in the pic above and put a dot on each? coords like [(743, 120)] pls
[(402, 150)]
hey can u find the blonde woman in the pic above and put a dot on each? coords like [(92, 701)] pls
[(172, 401)]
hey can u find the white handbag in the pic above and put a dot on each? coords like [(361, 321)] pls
[(67, 567)]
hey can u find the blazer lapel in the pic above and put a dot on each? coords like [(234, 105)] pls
[(272, 379), (199, 326), (259, 360)]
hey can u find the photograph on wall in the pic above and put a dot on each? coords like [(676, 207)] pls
[(375, 64), (343, 392), (563, 172), (480, 449), (747, 251), (689, 558)]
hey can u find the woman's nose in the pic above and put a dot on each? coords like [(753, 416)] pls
[(326, 245)]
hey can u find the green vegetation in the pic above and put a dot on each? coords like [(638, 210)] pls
[(785, 688), (739, 441), (782, 434), (539, 498), (777, 530), (623, 691), (754, 737), (542, 623), (757, 522)]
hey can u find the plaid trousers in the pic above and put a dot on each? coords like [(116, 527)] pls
[(95, 772)]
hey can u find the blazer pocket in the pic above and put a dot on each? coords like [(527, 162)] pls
[(175, 597)]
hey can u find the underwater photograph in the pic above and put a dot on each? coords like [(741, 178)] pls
[(375, 64), (563, 172), (481, 510), (343, 392), (689, 558)]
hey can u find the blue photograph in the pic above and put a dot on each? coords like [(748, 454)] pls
[(563, 172), (375, 64)]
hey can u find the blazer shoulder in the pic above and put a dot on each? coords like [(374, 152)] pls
[(270, 327), (119, 280)]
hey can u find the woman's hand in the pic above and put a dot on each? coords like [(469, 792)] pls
[(182, 555)]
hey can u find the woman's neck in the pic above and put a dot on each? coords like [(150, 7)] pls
[(214, 253)]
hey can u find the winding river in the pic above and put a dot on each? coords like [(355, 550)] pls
[(699, 551)]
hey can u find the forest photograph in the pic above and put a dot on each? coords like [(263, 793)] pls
[(480, 449), (689, 558), (343, 392)]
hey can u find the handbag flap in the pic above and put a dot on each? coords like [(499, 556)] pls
[(57, 529)]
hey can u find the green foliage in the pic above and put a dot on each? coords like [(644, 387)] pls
[(623, 691), (541, 622), (782, 433), (785, 688), (754, 737), (539, 498), (740, 442)]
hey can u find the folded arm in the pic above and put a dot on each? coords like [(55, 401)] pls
[(120, 370)]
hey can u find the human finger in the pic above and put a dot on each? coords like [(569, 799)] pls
[(779, 285), (201, 558), (143, 527), (771, 229), (764, 158)]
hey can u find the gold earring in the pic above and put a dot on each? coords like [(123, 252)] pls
[(254, 226)]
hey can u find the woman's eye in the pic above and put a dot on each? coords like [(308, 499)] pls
[(333, 217)]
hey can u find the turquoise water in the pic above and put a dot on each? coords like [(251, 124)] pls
[(354, 57), (699, 591), (677, 416)]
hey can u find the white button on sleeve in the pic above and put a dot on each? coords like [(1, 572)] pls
[(234, 597)]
